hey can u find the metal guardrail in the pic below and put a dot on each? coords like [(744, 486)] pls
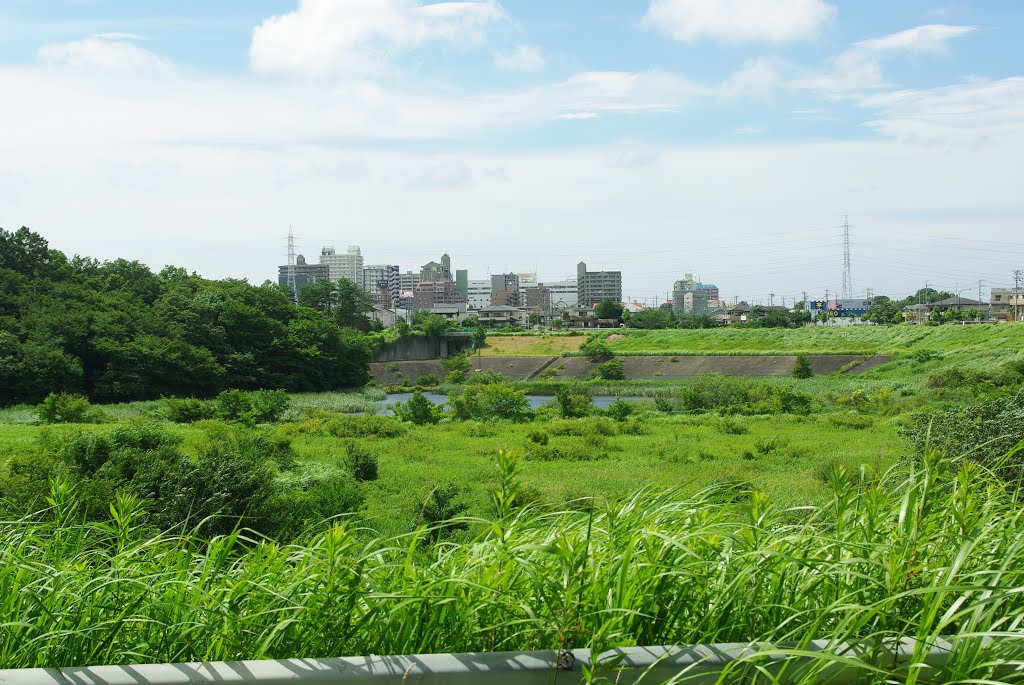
[(842, 663)]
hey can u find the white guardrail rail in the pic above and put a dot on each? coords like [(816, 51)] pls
[(832, 663)]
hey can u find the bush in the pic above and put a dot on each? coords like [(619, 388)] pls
[(596, 350), (345, 426), (188, 409), (986, 433), (430, 380), (620, 409), (260, 406), (491, 402), (612, 370), (455, 368), (68, 408), (418, 410), (361, 462), (573, 401), (441, 505), (538, 437), (802, 367)]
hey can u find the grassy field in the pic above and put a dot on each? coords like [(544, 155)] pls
[(530, 345), (711, 513), (824, 340), (928, 555), (894, 340)]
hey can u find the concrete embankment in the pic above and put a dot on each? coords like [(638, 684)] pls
[(652, 367)]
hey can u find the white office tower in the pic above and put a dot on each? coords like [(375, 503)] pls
[(346, 265)]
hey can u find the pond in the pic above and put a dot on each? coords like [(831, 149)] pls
[(599, 401)]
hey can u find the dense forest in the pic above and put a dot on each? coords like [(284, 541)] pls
[(117, 331)]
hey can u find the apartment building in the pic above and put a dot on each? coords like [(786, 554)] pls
[(345, 265), (1003, 301), (596, 286)]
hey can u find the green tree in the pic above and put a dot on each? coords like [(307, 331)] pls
[(802, 367), (650, 318), (607, 309)]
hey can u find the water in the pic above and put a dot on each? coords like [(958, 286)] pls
[(599, 401)]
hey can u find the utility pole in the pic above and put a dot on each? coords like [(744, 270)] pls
[(980, 311), (1017, 275), (292, 285), (847, 290)]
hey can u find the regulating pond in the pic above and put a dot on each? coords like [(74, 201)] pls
[(599, 401)]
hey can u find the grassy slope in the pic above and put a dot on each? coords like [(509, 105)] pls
[(825, 340)]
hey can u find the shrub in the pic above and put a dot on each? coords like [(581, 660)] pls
[(361, 462), (620, 409), (802, 367), (491, 402), (68, 408), (430, 380), (596, 350), (418, 410), (922, 356), (538, 437), (851, 420), (485, 378), (455, 367), (260, 406), (188, 409), (663, 404), (441, 505), (612, 370), (573, 401), (987, 433), (731, 426)]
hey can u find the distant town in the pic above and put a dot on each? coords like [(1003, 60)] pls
[(521, 299)]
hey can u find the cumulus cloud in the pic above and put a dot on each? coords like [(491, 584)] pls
[(106, 51), (739, 20), (330, 36), (521, 58)]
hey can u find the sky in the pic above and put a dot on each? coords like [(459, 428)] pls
[(730, 139)]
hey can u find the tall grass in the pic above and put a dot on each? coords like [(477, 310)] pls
[(938, 553)]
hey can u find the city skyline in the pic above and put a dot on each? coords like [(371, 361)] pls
[(654, 137)]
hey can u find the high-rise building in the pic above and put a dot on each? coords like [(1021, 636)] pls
[(597, 286), (407, 281), (430, 293), (691, 296), (347, 265), (563, 294), (462, 281), (505, 289), (305, 274), (382, 281), (478, 293)]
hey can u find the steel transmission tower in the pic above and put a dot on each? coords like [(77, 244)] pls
[(292, 285), (847, 290)]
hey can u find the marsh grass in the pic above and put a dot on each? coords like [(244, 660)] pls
[(931, 552)]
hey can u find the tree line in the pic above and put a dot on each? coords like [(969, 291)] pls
[(116, 331)]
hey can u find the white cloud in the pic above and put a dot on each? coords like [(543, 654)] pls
[(974, 110), (522, 58), (329, 36), (849, 75), (929, 38), (739, 20), (64, 106), (443, 173), (107, 51), (578, 116)]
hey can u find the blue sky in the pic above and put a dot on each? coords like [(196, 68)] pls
[(722, 137)]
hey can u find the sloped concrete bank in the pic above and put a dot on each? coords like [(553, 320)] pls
[(652, 367)]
